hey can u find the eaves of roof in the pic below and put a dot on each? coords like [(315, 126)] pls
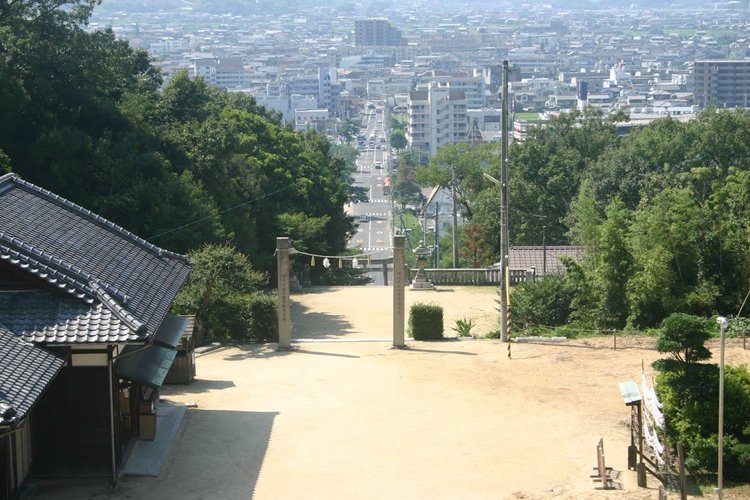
[(87, 257), (25, 372)]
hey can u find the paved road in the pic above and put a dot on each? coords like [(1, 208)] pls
[(373, 217)]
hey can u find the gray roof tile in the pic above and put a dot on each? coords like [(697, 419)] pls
[(526, 257), (106, 269), (25, 371), (40, 316)]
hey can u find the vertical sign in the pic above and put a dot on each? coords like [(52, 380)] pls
[(282, 267), (399, 281)]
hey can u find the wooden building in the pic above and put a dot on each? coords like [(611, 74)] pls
[(95, 297)]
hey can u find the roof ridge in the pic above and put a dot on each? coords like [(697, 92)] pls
[(93, 217), (75, 282), (118, 310), (69, 272)]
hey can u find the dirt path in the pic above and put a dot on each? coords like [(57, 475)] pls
[(440, 420), (367, 312)]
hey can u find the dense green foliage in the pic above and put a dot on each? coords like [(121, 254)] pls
[(224, 294), (426, 322), (683, 337), (663, 213), (545, 301), (688, 390), (84, 115), (398, 139), (404, 186)]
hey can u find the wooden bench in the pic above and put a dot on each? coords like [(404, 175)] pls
[(602, 471)]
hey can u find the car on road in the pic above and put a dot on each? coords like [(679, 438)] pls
[(364, 218), (378, 164)]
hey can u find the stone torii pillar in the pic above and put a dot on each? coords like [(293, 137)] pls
[(399, 283), (282, 277)]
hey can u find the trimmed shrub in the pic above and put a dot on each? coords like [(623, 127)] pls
[(426, 322), (261, 324), (244, 317)]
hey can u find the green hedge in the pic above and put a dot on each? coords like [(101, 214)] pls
[(545, 301), (248, 317), (426, 322)]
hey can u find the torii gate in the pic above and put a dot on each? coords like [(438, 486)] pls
[(284, 312)]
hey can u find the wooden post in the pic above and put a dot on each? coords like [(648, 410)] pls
[(282, 287), (681, 464), (399, 282), (641, 467), (385, 273)]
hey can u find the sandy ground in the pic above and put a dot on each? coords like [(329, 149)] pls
[(439, 420)]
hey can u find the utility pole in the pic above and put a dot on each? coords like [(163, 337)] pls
[(455, 217), (504, 247)]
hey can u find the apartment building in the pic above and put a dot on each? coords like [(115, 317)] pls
[(436, 117), (370, 32), (319, 86), (224, 73), (474, 86), (287, 105), (314, 119), (722, 83)]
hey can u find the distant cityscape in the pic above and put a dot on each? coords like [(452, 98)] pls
[(440, 66)]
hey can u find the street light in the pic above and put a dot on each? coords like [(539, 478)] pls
[(722, 321)]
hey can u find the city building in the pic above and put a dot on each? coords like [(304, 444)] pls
[(436, 117), (722, 83), (287, 105), (319, 86), (224, 73), (315, 119), (473, 86), (374, 32)]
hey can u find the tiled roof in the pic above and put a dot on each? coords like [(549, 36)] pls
[(526, 257), (25, 371), (94, 261), (40, 316)]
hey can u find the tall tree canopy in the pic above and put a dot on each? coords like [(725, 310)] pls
[(84, 115)]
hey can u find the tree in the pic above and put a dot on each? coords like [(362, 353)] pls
[(584, 219), (461, 166), (542, 302), (404, 187), (642, 164), (611, 262), (683, 337), (348, 129), (547, 170), (220, 276), (688, 390), (398, 139), (487, 214), (475, 247)]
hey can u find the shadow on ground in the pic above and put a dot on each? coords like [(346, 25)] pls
[(318, 325), (196, 387), (438, 351), (235, 441)]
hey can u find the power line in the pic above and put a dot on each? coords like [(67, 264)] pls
[(221, 212)]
